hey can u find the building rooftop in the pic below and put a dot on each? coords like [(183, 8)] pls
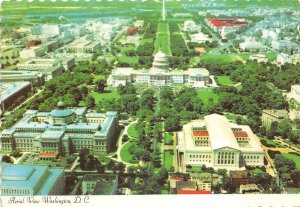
[(9, 89), (241, 174), (227, 22)]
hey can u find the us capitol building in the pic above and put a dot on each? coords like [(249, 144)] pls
[(215, 142), (63, 131), (160, 75)]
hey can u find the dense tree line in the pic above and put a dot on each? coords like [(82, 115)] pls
[(95, 67)]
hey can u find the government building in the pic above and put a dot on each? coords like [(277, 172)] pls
[(31, 180), (62, 131), (160, 75), (215, 142)]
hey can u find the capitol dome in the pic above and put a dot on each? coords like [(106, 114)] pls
[(161, 62)]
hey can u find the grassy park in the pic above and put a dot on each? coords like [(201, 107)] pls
[(162, 40), (205, 95), (224, 81), (295, 158), (108, 96)]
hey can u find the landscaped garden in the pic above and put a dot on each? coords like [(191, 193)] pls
[(162, 39), (132, 131), (168, 139), (168, 159), (194, 169), (125, 154)]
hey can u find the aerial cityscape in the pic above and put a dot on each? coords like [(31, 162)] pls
[(138, 97)]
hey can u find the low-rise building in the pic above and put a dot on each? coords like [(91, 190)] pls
[(283, 59), (98, 184), (63, 131), (190, 26), (215, 142), (250, 189), (10, 92), (242, 177), (260, 58), (31, 180), (33, 52), (203, 180), (272, 115), (251, 45), (200, 38)]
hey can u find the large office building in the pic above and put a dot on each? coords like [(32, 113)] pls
[(215, 142), (272, 115), (98, 184), (160, 75), (10, 92), (33, 77), (63, 131), (31, 180)]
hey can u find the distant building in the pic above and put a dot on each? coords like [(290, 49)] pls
[(33, 52), (160, 75), (191, 26), (259, 58), (85, 44), (33, 43), (49, 67), (97, 184), (31, 180), (10, 92), (63, 131), (200, 38), (225, 26), (138, 23), (251, 45), (283, 59), (215, 142), (269, 116), (132, 31), (242, 177), (189, 187)]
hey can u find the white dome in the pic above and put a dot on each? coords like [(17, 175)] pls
[(160, 62)]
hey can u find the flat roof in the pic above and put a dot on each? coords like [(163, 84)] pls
[(9, 89)]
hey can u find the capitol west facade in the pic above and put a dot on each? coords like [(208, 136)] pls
[(160, 75)]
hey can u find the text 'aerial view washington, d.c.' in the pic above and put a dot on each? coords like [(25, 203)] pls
[(138, 97)]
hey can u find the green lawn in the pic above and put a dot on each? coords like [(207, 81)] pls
[(194, 169), (128, 59), (269, 141), (99, 77), (205, 95), (164, 192), (125, 154), (225, 80), (127, 48), (294, 157), (257, 171), (168, 160), (168, 138), (107, 96), (162, 40), (132, 132)]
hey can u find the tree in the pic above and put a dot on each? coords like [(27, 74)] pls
[(7, 159), (16, 153), (100, 168), (100, 85), (90, 102), (172, 123)]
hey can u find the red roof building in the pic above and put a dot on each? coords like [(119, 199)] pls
[(227, 22), (191, 192), (132, 31), (33, 43), (240, 134)]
